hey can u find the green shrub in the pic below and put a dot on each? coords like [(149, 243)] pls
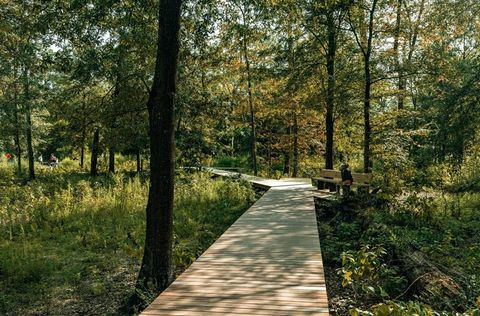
[(237, 161), (69, 165)]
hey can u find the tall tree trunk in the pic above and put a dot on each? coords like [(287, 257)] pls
[(253, 136), (17, 132), (295, 142), (111, 160), (156, 269), (366, 117), (398, 63), (412, 46), (367, 52), (139, 165), (18, 152), (286, 154), (28, 117), (268, 144), (367, 166), (95, 148), (82, 149), (331, 51), (84, 132), (286, 162), (291, 66)]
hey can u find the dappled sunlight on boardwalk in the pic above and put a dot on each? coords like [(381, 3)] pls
[(267, 263)]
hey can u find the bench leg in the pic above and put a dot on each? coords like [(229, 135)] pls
[(333, 187), (320, 185)]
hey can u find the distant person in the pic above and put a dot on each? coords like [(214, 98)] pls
[(40, 158), (9, 157), (53, 160), (347, 179)]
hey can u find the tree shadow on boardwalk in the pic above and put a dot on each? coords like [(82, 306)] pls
[(266, 263)]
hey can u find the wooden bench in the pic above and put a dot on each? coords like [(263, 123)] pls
[(332, 180)]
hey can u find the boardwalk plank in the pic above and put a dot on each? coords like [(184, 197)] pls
[(267, 263)]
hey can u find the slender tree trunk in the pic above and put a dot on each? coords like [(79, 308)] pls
[(367, 52), (95, 148), (82, 149), (28, 117), (111, 160), (286, 162), (291, 66), (156, 269), (332, 48), (398, 63), (368, 85), (269, 149), (253, 136), (366, 116), (17, 132), (412, 46), (295, 143), (139, 165), (18, 152), (286, 154), (84, 132)]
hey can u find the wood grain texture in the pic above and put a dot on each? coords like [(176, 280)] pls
[(267, 263)]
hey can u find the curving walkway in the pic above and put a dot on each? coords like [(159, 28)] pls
[(267, 263)]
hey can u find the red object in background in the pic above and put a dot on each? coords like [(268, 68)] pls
[(9, 156)]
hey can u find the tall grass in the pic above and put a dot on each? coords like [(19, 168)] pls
[(67, 237)]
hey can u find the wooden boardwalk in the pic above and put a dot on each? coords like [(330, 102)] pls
[(267, 263)]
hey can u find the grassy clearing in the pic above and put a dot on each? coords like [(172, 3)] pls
[(72, 244)]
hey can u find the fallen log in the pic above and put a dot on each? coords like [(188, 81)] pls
[(428, 283)]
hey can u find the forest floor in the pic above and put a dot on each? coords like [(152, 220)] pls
[(415, 255), (71, 244)]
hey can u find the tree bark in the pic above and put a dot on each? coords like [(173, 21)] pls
[(111, 160), (28, 117), (84, 132), (82, 149), (366, 52), (331, 51), (156, 269), (17, 131), (286, 154), (367, 97), (411, 50), (398, 63), (427, 281), (366, 117), (253, 136), (139, 165), (295, 143), (95, 148)]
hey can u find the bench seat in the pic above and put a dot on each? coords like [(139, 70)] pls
[(333, 178)]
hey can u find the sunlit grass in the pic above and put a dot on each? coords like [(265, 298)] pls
[(69, 237)]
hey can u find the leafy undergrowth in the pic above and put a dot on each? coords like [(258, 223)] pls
[(72, 244), (417, 255)]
